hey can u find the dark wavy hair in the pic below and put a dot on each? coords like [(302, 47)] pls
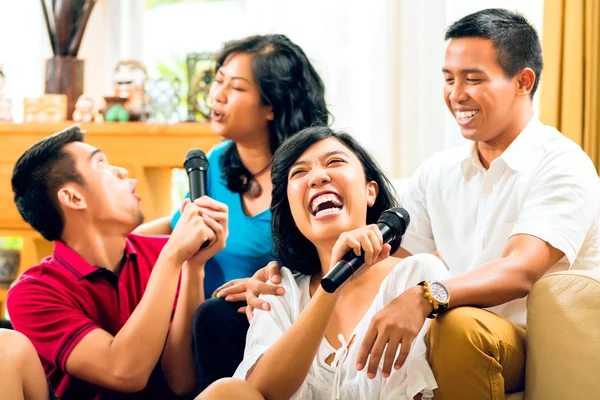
[(290, 247), (515, 39), (288, 83)]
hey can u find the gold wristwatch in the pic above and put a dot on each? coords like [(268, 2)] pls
[(437, 294)]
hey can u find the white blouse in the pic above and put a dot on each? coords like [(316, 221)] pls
[(341, 380)]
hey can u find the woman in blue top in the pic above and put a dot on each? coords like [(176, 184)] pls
[(265, 90)]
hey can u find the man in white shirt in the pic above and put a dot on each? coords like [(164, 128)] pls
[(519, 202)]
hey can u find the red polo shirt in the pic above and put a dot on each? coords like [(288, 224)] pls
[(56, 303)]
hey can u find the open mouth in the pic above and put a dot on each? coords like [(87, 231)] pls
[(217, 116), (464, 117), (133, 186), (326, 204)]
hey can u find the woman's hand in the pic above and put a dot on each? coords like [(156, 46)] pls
[(249, 289), (367, 239)]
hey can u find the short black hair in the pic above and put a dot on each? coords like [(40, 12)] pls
[(516, 41), (288, 82), (37, 176), (290, 247)]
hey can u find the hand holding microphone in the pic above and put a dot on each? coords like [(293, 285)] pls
[(391, 225)]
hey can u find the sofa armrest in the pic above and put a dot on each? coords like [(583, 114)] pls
[(563, 337)]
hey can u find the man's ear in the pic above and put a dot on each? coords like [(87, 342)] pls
[(372, 192), (526, 80), (71, 197)]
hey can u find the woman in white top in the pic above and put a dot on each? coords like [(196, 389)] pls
[(328, 193)]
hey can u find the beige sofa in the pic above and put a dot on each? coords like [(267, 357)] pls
[(563, 337)]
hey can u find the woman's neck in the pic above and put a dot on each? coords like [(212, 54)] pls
[(255, 155), (324, 252)]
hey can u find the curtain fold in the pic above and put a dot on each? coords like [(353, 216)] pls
[(570, 84)]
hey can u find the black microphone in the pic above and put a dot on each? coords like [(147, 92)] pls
[(392, 223), (196, 165)]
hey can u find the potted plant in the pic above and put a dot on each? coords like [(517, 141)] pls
[(10, 257)]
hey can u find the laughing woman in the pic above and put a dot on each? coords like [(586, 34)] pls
[(327, 195)]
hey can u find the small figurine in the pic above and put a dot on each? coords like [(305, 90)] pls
[(5, 110), (129, 78), (5, 102), (85, 110)]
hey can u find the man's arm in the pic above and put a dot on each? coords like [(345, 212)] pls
[(553, 222), (160, 226), (125, 361), (177, 361), (525, 259)]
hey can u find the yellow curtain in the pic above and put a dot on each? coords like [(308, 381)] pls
[(570, 83)]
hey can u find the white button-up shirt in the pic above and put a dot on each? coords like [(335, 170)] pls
[(543, 185)]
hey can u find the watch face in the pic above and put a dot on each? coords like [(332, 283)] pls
[(438, 291)]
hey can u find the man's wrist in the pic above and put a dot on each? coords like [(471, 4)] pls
[(196, 267), (172, 255)]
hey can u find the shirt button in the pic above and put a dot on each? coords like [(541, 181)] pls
[(488, 190)]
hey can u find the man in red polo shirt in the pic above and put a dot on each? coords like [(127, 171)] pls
[(100, 311)]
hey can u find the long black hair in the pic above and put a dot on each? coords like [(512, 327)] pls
[(288, 83), (290, 246)]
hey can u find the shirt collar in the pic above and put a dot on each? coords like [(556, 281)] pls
[(470, 160), (514, 156), (519, 151), (77, 265)]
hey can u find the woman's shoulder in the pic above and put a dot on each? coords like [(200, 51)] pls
[(294, 280), (297, 294), (214, 155), (296, 286)]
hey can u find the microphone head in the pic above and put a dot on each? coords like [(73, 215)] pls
[(195, 159), (397, 219)]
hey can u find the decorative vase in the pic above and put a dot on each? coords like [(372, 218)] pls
[(64, 75), (9, 266)]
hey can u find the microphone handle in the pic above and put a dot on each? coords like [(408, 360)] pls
[(350, 263), (197, 180), (197, 184)]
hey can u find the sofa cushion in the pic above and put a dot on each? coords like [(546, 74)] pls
[(563, 337)]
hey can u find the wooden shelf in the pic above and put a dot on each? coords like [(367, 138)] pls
[(112, 128)]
